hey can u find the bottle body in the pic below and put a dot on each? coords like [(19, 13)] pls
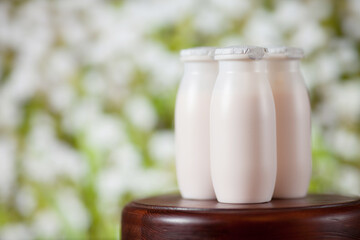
[(243, 133), (192, 113), (293, 119)]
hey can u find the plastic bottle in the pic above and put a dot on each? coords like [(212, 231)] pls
[(192, 114), (293, 121), (242, 128)]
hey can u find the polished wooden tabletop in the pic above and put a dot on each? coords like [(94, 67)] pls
[(313, 217)]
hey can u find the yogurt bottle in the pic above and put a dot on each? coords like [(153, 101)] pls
[(242, 128), (293, 122), (192, 114)]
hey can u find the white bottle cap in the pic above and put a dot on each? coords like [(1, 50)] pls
[(284, 52), (240, 52), (197, 54)]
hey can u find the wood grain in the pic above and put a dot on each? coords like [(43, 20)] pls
[(170, 217)]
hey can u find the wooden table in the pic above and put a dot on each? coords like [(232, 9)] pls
[(171, 217)]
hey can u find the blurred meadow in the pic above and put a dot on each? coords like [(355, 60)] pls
[(87, 92)]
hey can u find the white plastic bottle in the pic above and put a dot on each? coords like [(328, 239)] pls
[(192, 115), (293, 122), (242, 128)]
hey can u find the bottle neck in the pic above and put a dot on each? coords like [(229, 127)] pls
[(283, 65), (243, 65), (195, 67)]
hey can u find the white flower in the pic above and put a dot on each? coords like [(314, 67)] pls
[(71, 29), (141, 113), (46, 224), (46, 158), (161, 146), (61, 97), (350, 26), (101, 131), (105, 133), (111, 183), (7, 167), (42, 132), (15, 232), (60, 66), (349, 181), (232, 40), (325, 115), (151, 181), (94, 83), (25, 201), (156, 13), (347, 55), (327, 67), (210, 20), (262, 30), (56, 161), (310, 36), (165, 72), (290, 14), (119, 74), (78, 117), (309, 71), (36, 165), (126, 158), (234, 9), (319, 9), (345, 100), (39, 170), (67, 162), (353, 6), (73, 210), (10, 111), (22, 83), (115, 179), (4, 23), (114, 35), (346, 144), (31, 22)]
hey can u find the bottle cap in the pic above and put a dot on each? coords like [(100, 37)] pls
[(240, 52), (197, 54), (284, 52)]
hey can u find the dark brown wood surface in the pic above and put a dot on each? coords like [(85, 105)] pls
[(170, 217)]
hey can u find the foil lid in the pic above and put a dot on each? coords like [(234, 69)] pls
[(282, 51), (197, 53), (235, 52)]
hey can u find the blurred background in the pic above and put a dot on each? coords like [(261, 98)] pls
[(87, 92)]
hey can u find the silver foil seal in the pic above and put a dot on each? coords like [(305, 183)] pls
[(252, 52), (283, 51), (201, 52)]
